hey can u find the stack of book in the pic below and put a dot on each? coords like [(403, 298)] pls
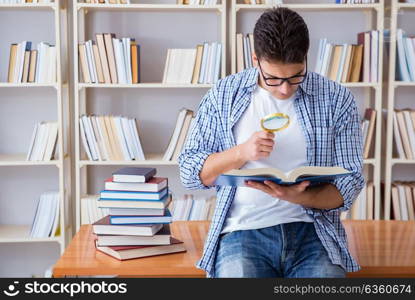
[(179, 136), (198, 2), (406, 57), (244, 50), (32, 65), (43, 142), (192, 208), (404, 133), (138, 223), (403, 201), (350, 63), (110, 138), (46, 220), (368, 129), (109, 60), (199, 65)]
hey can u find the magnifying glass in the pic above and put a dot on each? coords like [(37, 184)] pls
[(275, 122)]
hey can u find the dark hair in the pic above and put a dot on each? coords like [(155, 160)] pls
[(281, 35)]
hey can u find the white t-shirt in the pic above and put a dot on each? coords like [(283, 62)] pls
[(252, 208)]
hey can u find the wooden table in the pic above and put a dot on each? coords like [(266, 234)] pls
[(382, 248)]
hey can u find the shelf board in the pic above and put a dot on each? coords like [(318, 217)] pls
[(406, 5), (402, 161), (34, 6), (20, 160), (317, 7), (148, 7), (152, 159), (25, 85), (370, 161), (360, 84), (20, 234), (404, 83), (143, 85)]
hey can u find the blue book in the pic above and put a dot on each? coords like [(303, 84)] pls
[(314, 174), (135, 196), (141, 204), (142, 220)]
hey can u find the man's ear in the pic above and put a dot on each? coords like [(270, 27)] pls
[(254, 59)]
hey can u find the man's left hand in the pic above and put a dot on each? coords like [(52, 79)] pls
[(289, 193)]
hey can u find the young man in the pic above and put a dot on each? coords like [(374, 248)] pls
[(263, 229)]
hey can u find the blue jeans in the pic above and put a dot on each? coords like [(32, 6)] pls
[(286, 250)]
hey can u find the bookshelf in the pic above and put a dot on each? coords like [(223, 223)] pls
[(82, 13), (369, 92), (18, 233), (395, 88)]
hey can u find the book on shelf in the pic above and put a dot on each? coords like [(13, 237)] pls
[(43, 144), (197, 2), (267, 2), (368, 128), (162, 236), (155, 184), (150, 204), (135, 220), (314, 174), (244, 50), (350, 62), (405, 63), (110, 138), (133, 196), (131, 252), (179, 135), (404, 133), (133, 175), (27, 65), (193, 208), (109, 60), (356, 1), (46, 220), (107, 1), (403, 200), (197, 65), (25, 1), (364, 206), (90, 212)]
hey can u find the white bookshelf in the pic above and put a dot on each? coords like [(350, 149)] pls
[(374, 14), (397, 9), (12, 233), (80, 15)]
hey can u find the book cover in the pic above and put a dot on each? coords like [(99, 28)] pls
[(133, 174), (134, 220), (104, 226), (136, 196), (155, 184), (314, 174)]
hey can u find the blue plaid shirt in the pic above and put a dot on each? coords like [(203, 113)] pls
[(329, 117)]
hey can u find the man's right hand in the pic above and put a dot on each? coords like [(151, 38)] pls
[(259, 145)]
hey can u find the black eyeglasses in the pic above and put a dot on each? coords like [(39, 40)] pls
[(277, 81)]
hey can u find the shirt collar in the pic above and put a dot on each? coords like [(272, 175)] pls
[(251, 80)]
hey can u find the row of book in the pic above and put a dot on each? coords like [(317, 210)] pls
[(403, 201), (24, 1), (110, 138), (90, 213), (108, 1), (191, 208), (199, 65), (268, 2), (138, 223), (244, 50), (404, 133), (43, 142), (46, 220), (32, 65), (368, 130), (363, 207), (350, 63), (406, 56), (109, 60), (198, 2), (355, 1)]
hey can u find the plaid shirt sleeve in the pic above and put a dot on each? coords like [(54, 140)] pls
[(348, 151), (202, 141)]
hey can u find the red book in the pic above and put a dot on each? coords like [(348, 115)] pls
[(155, 184), (131, 252)]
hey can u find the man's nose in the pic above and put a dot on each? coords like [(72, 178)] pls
[(285, 88)]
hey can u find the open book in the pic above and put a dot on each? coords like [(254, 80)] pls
[(314, 174)]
